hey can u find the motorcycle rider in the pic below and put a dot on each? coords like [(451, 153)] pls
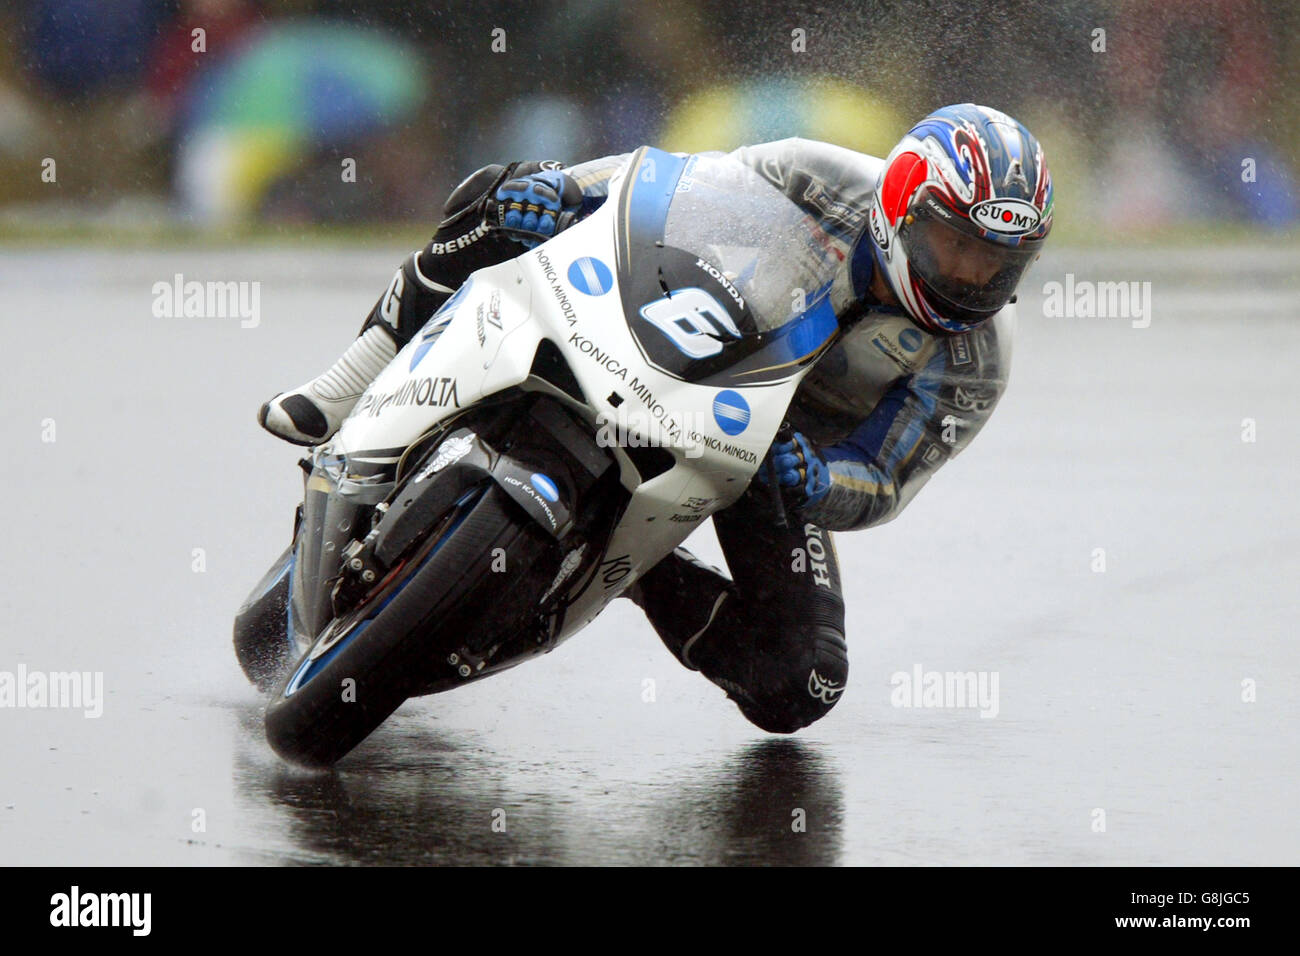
[(933, 241)]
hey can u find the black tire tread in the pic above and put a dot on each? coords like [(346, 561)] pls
[(316, 728), (260, 638)]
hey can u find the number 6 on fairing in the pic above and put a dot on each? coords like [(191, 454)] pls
[(693, 320)]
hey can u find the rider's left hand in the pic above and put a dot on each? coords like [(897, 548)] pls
[(801, 471), (538, 202)]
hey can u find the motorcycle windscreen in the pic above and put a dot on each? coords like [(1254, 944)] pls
[(724, 279)]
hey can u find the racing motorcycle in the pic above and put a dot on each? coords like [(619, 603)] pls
[(561, 424)]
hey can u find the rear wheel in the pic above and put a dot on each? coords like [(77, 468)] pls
[(366, 663)]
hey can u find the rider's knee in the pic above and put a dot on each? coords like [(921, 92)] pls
[(788, 692)]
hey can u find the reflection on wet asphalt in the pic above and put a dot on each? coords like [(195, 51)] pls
[(418, 804)]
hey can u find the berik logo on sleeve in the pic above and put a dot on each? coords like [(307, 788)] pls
[(76, 909)]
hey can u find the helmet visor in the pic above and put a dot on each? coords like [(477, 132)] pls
[(973, 276)]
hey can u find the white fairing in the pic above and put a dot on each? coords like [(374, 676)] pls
[(489, 336)]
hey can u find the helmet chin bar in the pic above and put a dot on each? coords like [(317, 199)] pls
[(951, 311)]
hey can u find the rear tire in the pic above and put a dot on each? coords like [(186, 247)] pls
[(408, 633)]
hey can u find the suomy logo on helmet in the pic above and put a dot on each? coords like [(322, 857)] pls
[(1007, 217)]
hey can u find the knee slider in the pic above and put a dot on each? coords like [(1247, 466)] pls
[(809, 682)]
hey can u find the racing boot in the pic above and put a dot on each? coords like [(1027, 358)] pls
[(313, 412)]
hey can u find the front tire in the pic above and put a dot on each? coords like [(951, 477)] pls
[(262, 643), (325, 707)]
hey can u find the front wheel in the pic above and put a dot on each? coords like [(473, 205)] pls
[(262, 642), (367, 662)]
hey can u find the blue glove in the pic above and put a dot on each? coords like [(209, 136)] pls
[(537, 203), (802, 474)]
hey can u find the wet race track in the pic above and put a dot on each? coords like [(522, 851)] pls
[(1119, 691)]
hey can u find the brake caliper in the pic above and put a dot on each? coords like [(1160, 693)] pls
[(361, 571)]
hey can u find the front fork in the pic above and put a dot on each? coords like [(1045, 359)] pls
[(547, 464)]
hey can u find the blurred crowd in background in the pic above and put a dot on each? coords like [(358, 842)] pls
[(219, 112)]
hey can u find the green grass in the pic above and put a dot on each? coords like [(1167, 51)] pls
[(159, 236), (167, 236)]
